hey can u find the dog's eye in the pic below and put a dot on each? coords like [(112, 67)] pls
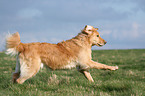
[(97, 35)]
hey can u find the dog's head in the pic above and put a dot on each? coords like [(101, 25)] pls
[(93, 35)]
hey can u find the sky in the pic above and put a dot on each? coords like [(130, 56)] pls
[(120, 22)]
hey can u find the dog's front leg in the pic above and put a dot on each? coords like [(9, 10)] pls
[(97, 65), (87, 75)]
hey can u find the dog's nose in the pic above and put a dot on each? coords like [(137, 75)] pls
[(105, 42)]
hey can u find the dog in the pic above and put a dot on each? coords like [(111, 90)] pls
[(75, 52)]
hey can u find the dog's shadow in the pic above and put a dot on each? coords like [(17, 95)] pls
[(112, 87)]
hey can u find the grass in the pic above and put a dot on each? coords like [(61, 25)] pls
[(129, 80)]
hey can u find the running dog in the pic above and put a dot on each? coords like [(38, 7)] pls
[(75, 52)]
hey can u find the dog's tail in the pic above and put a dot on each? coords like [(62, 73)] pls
[(13, 44)]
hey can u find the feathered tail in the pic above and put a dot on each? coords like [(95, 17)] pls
[(12, 44)]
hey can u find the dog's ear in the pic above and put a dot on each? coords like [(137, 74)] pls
[(96, 28), (88, 29)]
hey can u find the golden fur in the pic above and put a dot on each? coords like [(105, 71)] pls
[(75, 52)]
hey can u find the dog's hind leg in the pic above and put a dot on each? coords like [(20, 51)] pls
[(17, 70), (28, 68)]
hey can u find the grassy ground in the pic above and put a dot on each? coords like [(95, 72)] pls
[(129, 80)]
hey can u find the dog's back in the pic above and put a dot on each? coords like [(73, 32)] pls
[(56, 56)]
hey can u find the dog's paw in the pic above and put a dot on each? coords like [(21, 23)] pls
[(114, 68)]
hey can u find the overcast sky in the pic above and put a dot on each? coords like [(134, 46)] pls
[(121, 22)]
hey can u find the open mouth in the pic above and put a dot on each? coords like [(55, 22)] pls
[(99, 44)]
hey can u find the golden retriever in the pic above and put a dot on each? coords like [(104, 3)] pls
[(75, 52)]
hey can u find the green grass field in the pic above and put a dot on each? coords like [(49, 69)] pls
[(129, 80)]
